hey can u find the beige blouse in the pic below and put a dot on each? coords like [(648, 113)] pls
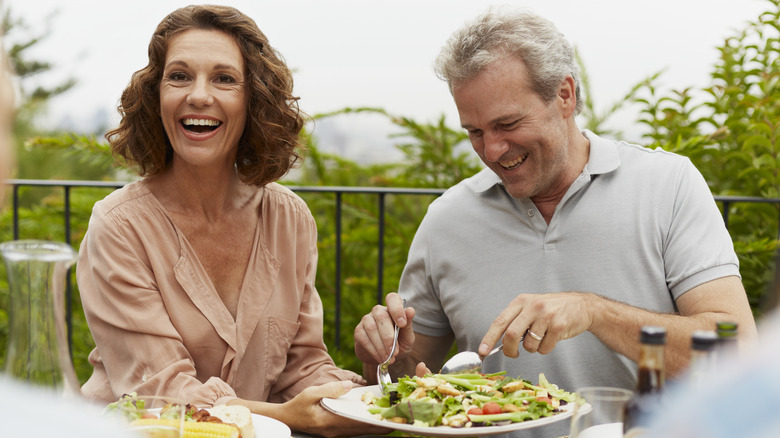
[(160, 327)]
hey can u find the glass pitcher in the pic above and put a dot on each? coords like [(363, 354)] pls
[(37, 350)]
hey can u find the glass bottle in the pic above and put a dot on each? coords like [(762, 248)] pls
[(650, 381), (37, 347), (703, 345)]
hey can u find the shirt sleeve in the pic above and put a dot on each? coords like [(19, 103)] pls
[(137, 346), (698, 248)]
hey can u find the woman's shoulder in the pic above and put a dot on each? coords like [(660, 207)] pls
[(128, 200), (276, 195)]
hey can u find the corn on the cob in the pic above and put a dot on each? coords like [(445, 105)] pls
[(193, 429)]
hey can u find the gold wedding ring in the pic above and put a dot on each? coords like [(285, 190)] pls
[(534, 335)]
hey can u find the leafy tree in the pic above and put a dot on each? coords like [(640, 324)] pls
[(730, 131), (32, 103)]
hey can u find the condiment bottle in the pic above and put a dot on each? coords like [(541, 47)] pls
[(650, 381), (703, 346)]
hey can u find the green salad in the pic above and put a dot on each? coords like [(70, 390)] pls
[(467, 400)]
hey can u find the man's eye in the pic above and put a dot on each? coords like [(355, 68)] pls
[(509, 125), (474, 132)]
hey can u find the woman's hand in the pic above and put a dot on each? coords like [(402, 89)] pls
[(304, 413)]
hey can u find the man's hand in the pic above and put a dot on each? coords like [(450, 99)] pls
[(374, 333), (543, 319)]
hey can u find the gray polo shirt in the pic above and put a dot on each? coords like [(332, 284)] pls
[(639, 226)]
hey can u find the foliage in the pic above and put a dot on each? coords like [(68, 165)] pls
[(730, 131)]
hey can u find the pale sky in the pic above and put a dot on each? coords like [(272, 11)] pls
[(380, 53)]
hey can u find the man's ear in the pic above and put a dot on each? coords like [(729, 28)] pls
[(567, 96)]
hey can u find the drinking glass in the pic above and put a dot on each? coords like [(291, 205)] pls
[(166, 415), (599, 413)]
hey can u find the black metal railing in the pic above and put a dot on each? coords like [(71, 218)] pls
[(381, 192)]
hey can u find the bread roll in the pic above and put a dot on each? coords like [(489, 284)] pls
[(238, 415)]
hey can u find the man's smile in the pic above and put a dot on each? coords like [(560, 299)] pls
[(509, 165)]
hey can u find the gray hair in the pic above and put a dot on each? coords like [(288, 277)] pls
[(547, 54)]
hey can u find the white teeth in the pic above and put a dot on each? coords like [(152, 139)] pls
[(201, 122)]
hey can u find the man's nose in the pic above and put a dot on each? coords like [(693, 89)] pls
[(496, 145)]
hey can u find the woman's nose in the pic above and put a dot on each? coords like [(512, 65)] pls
[(200, 93)]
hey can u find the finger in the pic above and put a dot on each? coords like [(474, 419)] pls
[(395, 306), (516, 333), (421, 370), (328, 390), (534, 337), (384, 332), (368, 338), (406, 335), (497, 330)]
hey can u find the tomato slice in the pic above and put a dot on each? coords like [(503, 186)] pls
[(544, 399), (475, 411), (491, 408)]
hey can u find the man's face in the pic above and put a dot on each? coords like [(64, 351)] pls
[(519, 136)]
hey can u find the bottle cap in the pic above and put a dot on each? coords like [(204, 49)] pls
[(727, 329), (653, 335), (704, 340)]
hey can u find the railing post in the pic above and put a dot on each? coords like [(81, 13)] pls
[(69, 283), (726, 207), (380, 269), (337, 341), (16, 211)]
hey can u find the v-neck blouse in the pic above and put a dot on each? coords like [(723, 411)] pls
[(160, 327)]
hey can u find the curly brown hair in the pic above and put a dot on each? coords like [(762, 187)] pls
[(270, 144)]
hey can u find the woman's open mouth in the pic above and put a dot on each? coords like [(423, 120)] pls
[(509, 165), (200, 125)]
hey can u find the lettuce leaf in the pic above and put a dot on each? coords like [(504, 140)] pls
[(415, 411)]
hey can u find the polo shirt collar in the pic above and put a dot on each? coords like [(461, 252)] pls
[(603, 158)]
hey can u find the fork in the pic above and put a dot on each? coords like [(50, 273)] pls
[(382, 373)]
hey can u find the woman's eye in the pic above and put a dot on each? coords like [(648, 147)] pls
[(225, 79), (176, 76)]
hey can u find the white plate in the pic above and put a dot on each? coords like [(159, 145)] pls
[(266, 427), (349, 405)]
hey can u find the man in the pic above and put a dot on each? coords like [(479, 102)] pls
[(566, 244)]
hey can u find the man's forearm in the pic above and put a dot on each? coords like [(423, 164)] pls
[(618, 324)]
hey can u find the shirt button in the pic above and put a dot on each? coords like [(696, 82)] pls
[(530, 213), (145, 377)]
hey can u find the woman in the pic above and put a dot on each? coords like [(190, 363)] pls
[(198, 280)]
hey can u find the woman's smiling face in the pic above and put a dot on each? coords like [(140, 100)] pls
[(203, 97)]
